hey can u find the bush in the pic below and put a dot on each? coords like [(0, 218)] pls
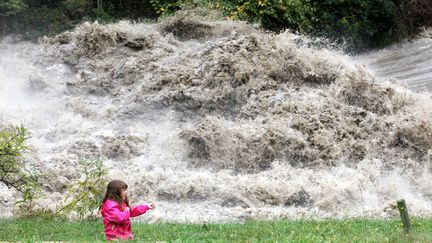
[(86, 194), (11, 7), (12, 171), (360, 24), (12, 147)]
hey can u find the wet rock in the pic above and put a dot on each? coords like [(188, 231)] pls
[(84, 149), (299, 199), (122, 147), (234, 202), (139, 44), (37, 83), (185, 28), (56, 184)]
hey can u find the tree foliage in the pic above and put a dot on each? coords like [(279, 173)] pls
[(360, 24), (11, 7), (12, 171), (12, 148), (363, 23)]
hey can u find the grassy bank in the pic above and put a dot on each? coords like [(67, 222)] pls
[(355, 230)]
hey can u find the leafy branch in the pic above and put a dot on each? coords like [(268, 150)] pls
[(85, 196), (12, 171)]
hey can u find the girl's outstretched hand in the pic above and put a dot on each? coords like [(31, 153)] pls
[(152, 205)]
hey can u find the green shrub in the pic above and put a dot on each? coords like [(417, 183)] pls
[(361, 24), (12, 148), (11, 7), (12, 171), (85, 195)]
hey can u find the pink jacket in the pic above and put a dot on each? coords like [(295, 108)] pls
[(117, 221)]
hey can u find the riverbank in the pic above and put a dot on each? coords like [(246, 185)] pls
[(347, 230)]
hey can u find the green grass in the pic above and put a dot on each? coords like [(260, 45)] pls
[(348, 230)]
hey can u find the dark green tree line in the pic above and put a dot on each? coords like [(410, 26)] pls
[(361, 24)]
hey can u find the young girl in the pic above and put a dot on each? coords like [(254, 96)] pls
[(116, 211)]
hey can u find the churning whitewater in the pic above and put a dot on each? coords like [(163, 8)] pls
[(217, 121)]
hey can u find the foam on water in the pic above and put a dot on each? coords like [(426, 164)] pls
[(217, 121)]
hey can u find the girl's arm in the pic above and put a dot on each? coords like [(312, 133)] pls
[(114, 214), (138, 210)]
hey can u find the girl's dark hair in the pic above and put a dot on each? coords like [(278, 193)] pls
[(114, 192)]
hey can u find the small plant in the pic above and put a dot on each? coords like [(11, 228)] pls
[(12, 171), (30, 193), (85, 196)]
